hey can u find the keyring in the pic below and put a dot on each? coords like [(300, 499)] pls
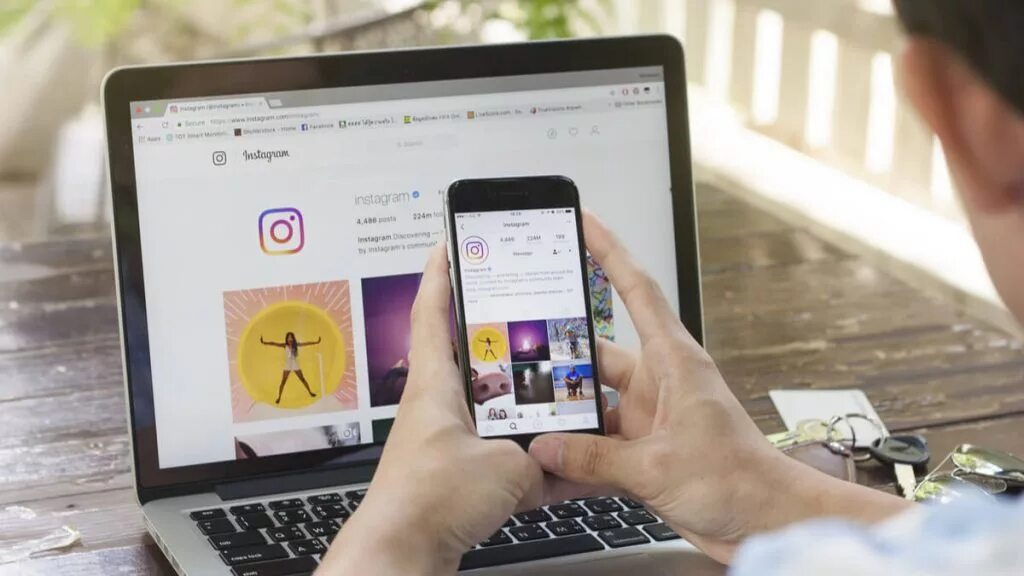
[(836, 446)]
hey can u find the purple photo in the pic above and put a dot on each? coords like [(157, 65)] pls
[(528, 341), (387, 302)]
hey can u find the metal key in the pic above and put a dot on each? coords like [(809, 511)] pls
[(805, 431), (904, 453)]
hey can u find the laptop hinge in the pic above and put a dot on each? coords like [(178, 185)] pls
[(284, 483)]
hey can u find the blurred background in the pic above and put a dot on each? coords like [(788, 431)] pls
[(794, 103)]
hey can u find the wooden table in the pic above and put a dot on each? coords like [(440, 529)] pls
[(784, 309)]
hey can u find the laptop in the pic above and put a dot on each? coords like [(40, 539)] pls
[(260, 203)]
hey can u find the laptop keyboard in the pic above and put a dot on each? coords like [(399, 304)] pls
[(289, 537)]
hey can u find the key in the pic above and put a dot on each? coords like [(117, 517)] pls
[(246, 509), (567, 510), (255, 521), (292, 516), (904, 453), (250, 554), (286, 504), (805, 431), (207, 514), (322, 528), (536, 550), (660, 532), (237, 540), (533, 516), (307, 547), (601, 522), (497, 539), (622, 537), (331, 511), (301, 565), (285, 533), (637, 517), (216, 526), (602, 505), (330, 498), (565, 527), (528, 532)]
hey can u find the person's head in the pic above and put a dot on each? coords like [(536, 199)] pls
[(963, 69), (289, 339), (502, 415), (492, 413)]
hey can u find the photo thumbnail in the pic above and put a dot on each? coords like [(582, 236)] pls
[(569, 339), (573, 382), (290, 441), (290, 351), (528, 341), (489, 362), (387, 304), (533, 384)]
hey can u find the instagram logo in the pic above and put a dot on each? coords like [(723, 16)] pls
[(281, 231), (474, 250)]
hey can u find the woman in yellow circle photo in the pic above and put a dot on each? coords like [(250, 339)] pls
[(291, 361)]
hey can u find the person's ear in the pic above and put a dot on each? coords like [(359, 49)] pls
[(982, 135)]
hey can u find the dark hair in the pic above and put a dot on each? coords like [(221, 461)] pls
[(989, 34), (295, 343)]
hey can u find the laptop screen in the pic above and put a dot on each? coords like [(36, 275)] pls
[(283, 236)]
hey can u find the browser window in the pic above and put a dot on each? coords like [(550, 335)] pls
[(283, 236)]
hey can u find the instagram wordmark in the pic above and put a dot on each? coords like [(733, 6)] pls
[(475, 250), (281, 231)]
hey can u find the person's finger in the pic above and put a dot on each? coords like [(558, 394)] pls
[(616, 364), (587, 459), (511, 463), (647, 306), (612, 424), (429, 318)]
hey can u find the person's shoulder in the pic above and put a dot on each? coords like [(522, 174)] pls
[(982, 535)]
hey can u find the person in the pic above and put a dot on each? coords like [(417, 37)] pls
[(743, 502), (573, 383), (492, 414), (291, 361), (502, 414), (490, 348), (574, 343)]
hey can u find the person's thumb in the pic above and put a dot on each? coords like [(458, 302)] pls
[(585, 458)]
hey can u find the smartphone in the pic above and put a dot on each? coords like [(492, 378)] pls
[(522, 306)]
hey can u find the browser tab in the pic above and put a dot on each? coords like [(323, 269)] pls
[(203, 107)]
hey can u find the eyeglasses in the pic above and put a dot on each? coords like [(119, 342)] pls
[(978, 472)]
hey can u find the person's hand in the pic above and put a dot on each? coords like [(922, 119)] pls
[(319, 339), (261, 339), (439, 488), (679, 441)]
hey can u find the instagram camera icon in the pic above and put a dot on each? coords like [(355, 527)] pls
[(281, 231), (474, 250)]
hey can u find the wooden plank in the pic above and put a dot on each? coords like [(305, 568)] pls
[(126, 560), (106, 519), (772, 249), (61, 369), (91, 463), (58, 323)]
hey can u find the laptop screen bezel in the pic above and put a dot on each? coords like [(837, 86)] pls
[(241, 77)]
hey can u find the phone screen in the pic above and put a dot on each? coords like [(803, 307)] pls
[(529, 339)]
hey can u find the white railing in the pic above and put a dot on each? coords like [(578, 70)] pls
[(817, 75)]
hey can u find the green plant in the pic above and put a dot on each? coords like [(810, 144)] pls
[(538, 19)]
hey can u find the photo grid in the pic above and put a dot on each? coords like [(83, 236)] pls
[(531, 369)]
